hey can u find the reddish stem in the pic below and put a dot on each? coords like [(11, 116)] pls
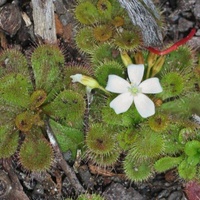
[(174, 46)]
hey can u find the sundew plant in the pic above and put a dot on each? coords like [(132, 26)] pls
[(128, 100), (31, 95), (151, 112)]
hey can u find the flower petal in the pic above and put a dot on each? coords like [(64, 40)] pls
[(135, 73), (151, 86), (117, 84), (76, 78), (122, 102), (144, 105)]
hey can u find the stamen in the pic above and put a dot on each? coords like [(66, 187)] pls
[(134, 90)]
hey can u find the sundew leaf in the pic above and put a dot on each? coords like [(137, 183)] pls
[(67, 137), (187, 171), (194, 160), (137, 171), (68, 107), (38, 97), (8, 113), (47, 61), (181, 59), (102, 72), (8, 141), (86, 13), (183, 107), (15, 90), (36, 155), (192, 148), (13, 61), (166, 163)]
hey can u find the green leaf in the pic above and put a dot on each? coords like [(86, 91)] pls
[(166, 163), (194, 160), (15, 90), (192, 148), (8, 141), (186, 171), (68, 107), (36, 155), (137, 172), (111, 67), (47, 62), (13, 61), (8, 113), (67, 137)]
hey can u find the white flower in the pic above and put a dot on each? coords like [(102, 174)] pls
[(134, 91), (88, 81), (85, 80)]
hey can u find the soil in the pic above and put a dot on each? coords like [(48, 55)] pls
[(180, 16)]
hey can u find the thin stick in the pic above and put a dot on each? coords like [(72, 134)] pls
[(16, 187), (63, 164), (44, 20)]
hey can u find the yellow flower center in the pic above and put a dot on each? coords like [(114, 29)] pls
[(134, 89)]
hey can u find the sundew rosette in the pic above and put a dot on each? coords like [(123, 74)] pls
[(31, 94)]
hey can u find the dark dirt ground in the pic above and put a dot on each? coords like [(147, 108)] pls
[(179, 17)]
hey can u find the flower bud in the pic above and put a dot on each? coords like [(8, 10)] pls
[(126, 59), (158, 102), (152, 57), (89, 82), (158, 65), (139, 59), (85, 80)]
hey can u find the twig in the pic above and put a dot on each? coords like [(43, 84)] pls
[(63, 164), (44, 20), (16, 192)]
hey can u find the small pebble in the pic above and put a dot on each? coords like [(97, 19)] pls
[(5, 185), (67, 155), (60, 7), (175, 196), (38, 189), (117, 192), (186, 5), (184, 197), (10, 19), (198, 33), (195, 43), (197, 9), (164, 193), (184, 24), (86, 177), (167, 184), (174, 17), (66, 18), (187, 15), (2, 2)]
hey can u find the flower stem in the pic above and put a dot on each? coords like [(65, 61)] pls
[(148, 72), (103, 89), (174, 46)]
